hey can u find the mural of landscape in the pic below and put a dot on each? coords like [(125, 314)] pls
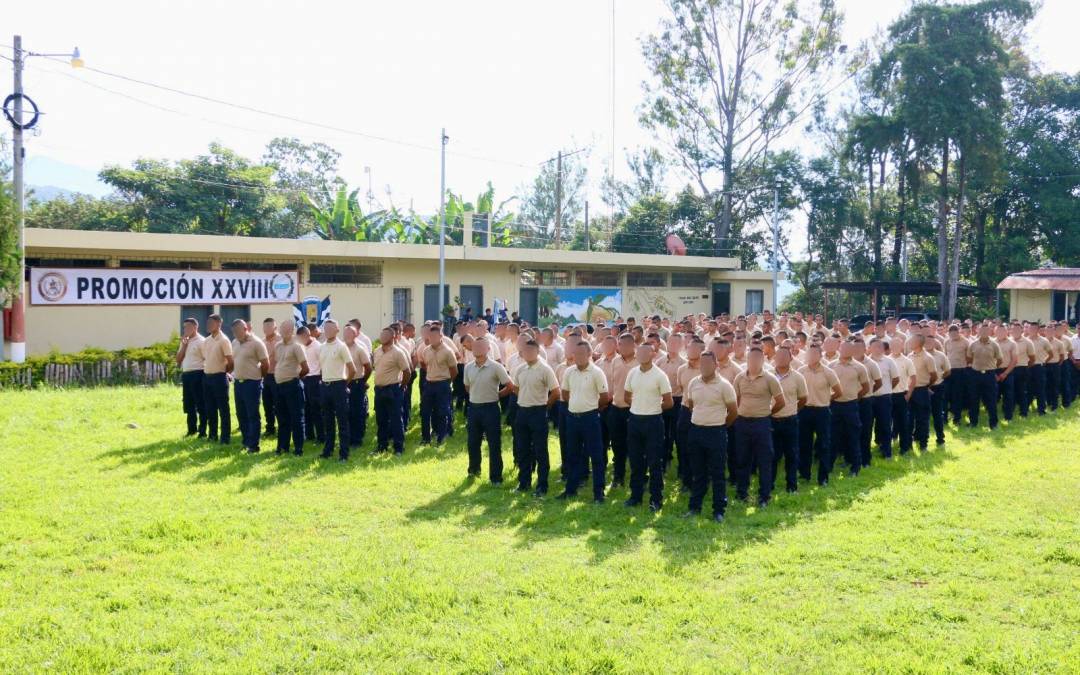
[(576, 305)]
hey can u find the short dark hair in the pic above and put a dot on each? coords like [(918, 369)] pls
[(192, 320), (214, 317), (268, 320)]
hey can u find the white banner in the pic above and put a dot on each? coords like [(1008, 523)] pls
[(108, 286)]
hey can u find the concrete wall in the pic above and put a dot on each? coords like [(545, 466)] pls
[(1030, 305)]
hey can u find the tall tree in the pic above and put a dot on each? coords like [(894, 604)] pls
[(729, 78), (539, 202), (301, 170), (946, 64), (648, 173)]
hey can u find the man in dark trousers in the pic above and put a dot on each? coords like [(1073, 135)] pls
[(290, 367), (217, 363), (815, 419), (713, 407), (759, 397), (847, 425), (313, 420), (271, 339), (189, 358), (392, 368), (336, 364), (537, 390), (585, 394), (486, 381), (648, 392)]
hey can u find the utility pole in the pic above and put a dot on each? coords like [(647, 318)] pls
[(776, 246), (18, 319), (588, 246), (443, 139), (558, 201)]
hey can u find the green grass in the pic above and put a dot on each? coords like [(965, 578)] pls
[(133, 549)]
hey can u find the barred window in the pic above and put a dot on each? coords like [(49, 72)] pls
[(689, 279), (166, 264), (344, 273), (64, 262), (545, 277), (598, 278), (653, 279), (262, 266)]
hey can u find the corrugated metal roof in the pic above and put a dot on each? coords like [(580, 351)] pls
[(1050, 279)]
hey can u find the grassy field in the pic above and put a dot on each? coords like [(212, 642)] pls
[(130, 548)]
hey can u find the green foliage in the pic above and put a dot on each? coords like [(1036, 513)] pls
[(301, 170), (80, 212), (128, 547), (10, 259), (159, 353), (539, 202)]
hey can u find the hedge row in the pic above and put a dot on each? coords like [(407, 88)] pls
[(14, 375)]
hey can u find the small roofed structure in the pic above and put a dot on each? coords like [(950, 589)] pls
[(896, 289), (1048, 294)]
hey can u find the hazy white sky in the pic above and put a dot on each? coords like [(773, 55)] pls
[(511, 81)]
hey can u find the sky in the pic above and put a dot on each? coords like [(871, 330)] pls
[(512, 82)]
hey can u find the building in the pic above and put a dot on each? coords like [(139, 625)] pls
[(84, 287), (1051, 294)]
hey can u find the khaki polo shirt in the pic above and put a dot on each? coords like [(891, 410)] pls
[(756, 393), (669, 363), (685, 374), (889, 370), (193, 358), (585, 387), (647, 388), (873, 371), (985, 356), (334, 358), (852, 376), (620, 368), (437, 362), (924, 367), (729, 369), (1041, 348), (389, 366), (1008, 351), (485, 381), (794, 387), (941, 361), (534, 383), (271, 348), (311, 353), (360, 357), (214, 350), (246, 357), (905, 369), (710, 400), (1025, 351), (819, 385), (288, 357), (957, 351)]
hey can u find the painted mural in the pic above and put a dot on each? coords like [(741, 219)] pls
[(576, 305)]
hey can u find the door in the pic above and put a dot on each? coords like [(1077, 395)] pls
[(1058, 307), (721, 299), (473, 297), (229, 313), (527, 305), (200, 313), (755, 302), (432, 306), (403, 304)]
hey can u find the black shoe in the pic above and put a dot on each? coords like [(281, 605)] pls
[(399, 453), (655, 507), (190, 433), (538, 493), (497, 483), (822, 482), (342, 459), (521, 488), (326, 455), (279, 451), (718, 517), (298, 453), (202, 434), (615, 484), (598, 500), (225, 441), (743, 498), (692, 513), (792, 490), (922, 447), (762, 503), (564, 495), (940, 441), (632, 502)]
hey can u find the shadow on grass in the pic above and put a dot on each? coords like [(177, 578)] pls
[(611, 528)]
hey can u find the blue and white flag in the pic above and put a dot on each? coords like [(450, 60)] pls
[(311, 310)]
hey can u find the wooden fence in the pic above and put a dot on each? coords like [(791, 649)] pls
[(96, 374)]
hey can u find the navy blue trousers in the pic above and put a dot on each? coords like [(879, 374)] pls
[(1007, 393), (1053, 384), (247, 395), (388, 422), (485, 421), (531, 438), (883, 423), (753, 443), (671, 421), (617, 422), (194, 401), (1037, 387), (584, 445), (289, 404), (216, 399), (707, 452), (645, 450), (1020, 376), (682, 445), (984, 386), (938, 410), (335, 410), (958, 391), (846, 430), (358, 412), (866, 429), (313, 418), (901, 421), (268, 394), (785, 438), (920, 414), (435, 411), (815, 440)]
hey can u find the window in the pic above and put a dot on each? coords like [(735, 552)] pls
[(64, 262), (200, 313), (755, 302), (654, 279), (403, 304), (545, 277), (166, 264), (690, 279), (264, 266), (229, 313), (598, 278), (344, 273)]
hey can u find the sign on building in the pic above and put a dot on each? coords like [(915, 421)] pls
[(107, 286)]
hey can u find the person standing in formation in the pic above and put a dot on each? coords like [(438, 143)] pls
[(759, 397), (270, 340), (358, 385), (584, 394), (337, 368), (537, 390), (252, 364), (713, 406), (217, 354), (647, 391), (313, 415), (190, 359), (392, 368), (290, 368), (487, 382)]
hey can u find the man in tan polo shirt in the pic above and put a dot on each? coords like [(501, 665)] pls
[(534, 383), (252, 364), (190, 359), (358, 386), (271, 339), (926, 376), (438, 361), (815, 419), (1006, 374), (648, 391), (713, 407), (958, 385), (785, 423), (760, 396), (1038, 378), (847, 424), (217, 357), (669, 361), (984, 357), (337, 367), (290, 367), (392, 369), (618, 415)]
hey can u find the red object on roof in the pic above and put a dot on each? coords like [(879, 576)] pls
[(1050, 279), (675, 244)]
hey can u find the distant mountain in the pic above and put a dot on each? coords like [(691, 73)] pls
[(47, 193), (53, 175)]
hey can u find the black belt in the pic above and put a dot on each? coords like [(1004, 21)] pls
[(582, 414)]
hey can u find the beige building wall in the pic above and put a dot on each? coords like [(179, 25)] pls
[(1027, 305)]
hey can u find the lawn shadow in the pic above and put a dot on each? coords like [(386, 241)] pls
[(1017, 428)]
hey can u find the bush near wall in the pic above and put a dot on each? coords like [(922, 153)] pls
[(95, 367)]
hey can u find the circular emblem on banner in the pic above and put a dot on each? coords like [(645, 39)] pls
[(52, 286), (281, 286)]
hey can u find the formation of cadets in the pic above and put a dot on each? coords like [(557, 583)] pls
[(724, 399)]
